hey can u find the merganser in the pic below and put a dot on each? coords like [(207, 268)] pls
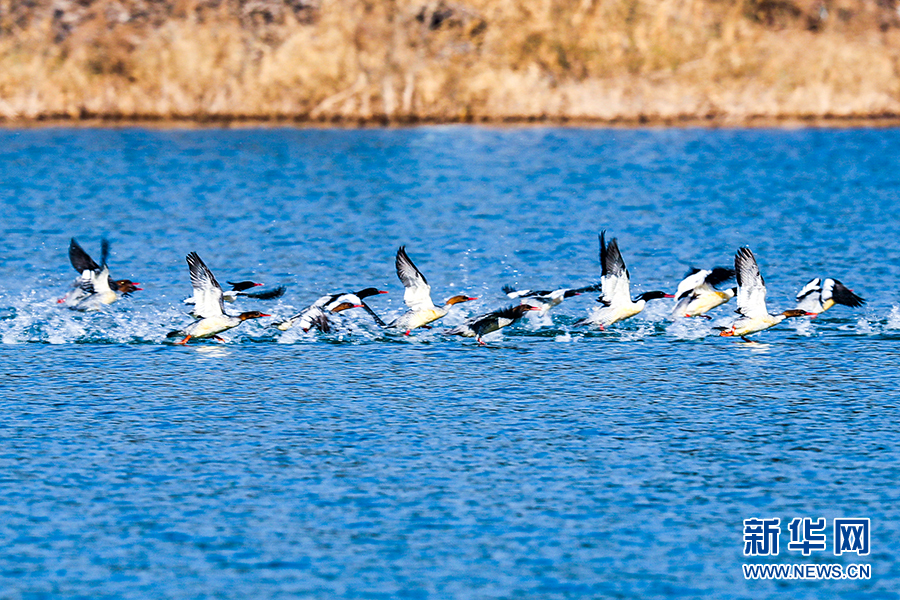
[(316, 315), (209, 307), (696, 294), (751, 299), (240, 289), (94, 288), (482, 325), (615, 282), (818, 295), (417, 296), (544, 300)]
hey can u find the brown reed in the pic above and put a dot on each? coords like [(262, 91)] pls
[(426, 60)]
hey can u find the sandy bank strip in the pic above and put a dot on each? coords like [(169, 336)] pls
[(882, 120)]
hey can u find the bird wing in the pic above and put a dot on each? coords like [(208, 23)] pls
[(371, 312), (269, 294), (615, 279), (513, 292), (693, 279), (104, 252), (596, 287), (418, 293), (85, 281), (813, 287), (841, 294), (719, 275), (207, 291), (80, 259), (751, 297)]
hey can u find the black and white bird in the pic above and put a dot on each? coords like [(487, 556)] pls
[(209, 306), (697, 294), (241, 288), (482, 325), (317, 314), (615, 283), (417, 297), (819, 295), (544, 300), (94, 288), (751, 299)]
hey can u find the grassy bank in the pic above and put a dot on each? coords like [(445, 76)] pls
[(399, 61)]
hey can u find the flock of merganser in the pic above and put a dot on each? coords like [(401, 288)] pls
[(695, 296)]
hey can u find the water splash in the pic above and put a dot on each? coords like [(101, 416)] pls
[(893, 319)]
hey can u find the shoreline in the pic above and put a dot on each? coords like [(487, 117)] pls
[(876, 121)]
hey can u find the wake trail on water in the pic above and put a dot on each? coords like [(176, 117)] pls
[(32, 317)]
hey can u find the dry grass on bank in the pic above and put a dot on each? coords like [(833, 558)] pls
[(440, 60)]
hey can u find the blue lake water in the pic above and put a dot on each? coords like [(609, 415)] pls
[(555, 462)]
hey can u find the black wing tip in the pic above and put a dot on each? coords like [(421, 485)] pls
[(720, 275), (404, 259), (374, 315), (743, 255), (841, 294), (81, 260), (691, 271), (508, 289), (104, 251)]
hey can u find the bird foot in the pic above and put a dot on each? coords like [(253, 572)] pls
[(184, 341)]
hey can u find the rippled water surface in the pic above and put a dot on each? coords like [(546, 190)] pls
[(555, 462)]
